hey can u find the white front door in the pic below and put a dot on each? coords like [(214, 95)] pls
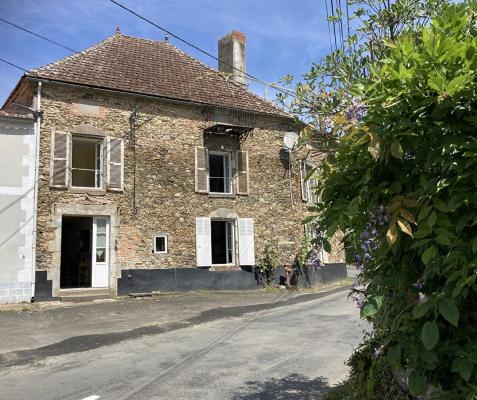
[(100, 274)]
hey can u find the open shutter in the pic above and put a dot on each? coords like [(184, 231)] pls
[(242, 172), (203, 242), (60, 152), (201, 170), (115, 164), (246, 241), (303, 183)]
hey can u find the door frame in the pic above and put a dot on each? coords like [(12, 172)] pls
[(54, 244), (95, 265)]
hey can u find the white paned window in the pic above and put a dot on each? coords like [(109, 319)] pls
[(86, 162), (220, 172)]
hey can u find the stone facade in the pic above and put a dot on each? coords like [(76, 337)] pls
[(159, 181)]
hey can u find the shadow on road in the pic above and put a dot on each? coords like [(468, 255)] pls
[(291, 387)]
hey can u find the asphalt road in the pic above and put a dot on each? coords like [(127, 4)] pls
[(291, 351)]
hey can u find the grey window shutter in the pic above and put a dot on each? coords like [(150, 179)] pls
[(242, 172), (304, 191), (201, 170), (60, 154), (115, 164)]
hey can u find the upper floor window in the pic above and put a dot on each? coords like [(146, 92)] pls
[(308, 183), (86, 162), (220, 172)]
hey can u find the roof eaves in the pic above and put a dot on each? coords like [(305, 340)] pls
[(149, 95)]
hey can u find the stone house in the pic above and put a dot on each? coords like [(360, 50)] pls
[(157, 172)]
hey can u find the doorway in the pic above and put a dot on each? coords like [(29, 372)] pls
[(84, 252), (222, 241)]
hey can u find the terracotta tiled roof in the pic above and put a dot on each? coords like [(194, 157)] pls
[(154, 68)]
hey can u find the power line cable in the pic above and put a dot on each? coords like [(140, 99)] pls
[(13, 65), (37, 35), (340, 15), (329, 28), (334, 23), (278, 88)]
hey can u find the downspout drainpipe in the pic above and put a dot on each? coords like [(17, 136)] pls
[(36, 183)]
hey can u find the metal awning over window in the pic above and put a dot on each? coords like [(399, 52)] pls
[(222, 120)]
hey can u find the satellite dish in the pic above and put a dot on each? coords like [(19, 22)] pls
[(290, 140)]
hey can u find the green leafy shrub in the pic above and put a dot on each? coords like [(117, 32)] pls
[(413, 150)]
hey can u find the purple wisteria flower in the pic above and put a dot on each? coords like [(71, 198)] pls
[(368, 244), (421, 298), (378, 350), (369, 238), (418, 285), (356, 110), (315, 261)]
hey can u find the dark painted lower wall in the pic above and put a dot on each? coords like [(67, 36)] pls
[(43, 287), (185, 279)]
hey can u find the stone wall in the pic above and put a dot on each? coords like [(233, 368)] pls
[(164, 167)]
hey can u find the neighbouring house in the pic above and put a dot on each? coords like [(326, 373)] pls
[(157, 172), (17, 205)]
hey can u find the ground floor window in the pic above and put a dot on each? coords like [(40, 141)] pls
[(222, 242), (160, 244)]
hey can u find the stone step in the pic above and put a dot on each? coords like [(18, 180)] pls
[(82, 299), (81, 295)]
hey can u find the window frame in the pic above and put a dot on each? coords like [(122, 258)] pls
[(97, 174), (230, 177), (165, 244), (311, 196)]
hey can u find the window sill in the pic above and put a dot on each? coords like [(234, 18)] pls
[(90, 191), (224, 267), (222, 195)]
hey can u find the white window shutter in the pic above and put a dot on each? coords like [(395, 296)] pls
[(115, 164), (201, 170), (246, 241), (203, 242), (304, 191), (59, 163), (242, 172)]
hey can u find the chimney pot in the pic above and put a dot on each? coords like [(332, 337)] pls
[(232, 56)]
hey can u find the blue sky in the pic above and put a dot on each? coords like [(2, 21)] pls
[(283, 36)]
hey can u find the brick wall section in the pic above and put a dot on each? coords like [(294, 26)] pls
[(165, 197)]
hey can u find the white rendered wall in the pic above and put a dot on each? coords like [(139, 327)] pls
[(17, 179)]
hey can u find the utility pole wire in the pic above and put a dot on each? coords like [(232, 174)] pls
[(37, 35), (13, 65), (329, 28), (278, 88)]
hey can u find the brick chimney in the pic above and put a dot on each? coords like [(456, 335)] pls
[(232, 53)]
